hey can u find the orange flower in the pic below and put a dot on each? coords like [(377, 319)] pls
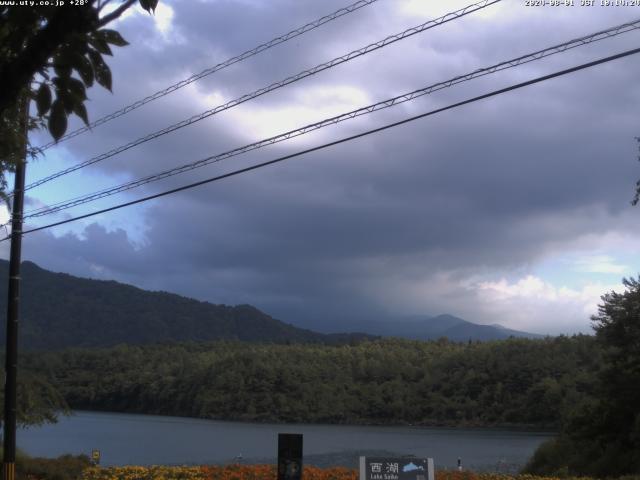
[(268, 472)]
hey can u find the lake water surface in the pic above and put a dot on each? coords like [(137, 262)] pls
[(148, 439)]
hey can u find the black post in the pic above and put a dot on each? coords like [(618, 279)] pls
[(11, 359), (289, 456)]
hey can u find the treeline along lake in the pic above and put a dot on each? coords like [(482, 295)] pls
[(517, 382)]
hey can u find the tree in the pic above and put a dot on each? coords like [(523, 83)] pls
[(38, 400), (603, 437), (617, 327), (51, 55)]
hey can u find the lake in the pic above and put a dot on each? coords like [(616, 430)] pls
[(126, 439)]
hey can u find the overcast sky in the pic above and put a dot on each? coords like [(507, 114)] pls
[(512, 210)]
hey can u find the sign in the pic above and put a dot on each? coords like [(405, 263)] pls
[(289, 456), (396, 468), (95, 457)]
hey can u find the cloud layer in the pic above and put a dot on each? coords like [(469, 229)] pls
[(473, 212)]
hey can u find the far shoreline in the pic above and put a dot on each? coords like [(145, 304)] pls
[(529, 429)]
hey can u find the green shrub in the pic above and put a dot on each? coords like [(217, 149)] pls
[(550, 459), (66, 467)]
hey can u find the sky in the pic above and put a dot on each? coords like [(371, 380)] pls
[(513, 210)]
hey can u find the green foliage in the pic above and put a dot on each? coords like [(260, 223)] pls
[(80, 54), (11, 140), (66, 467), (149, 5), (51, 55), (38, 401), (602, 437), (382, 382), (550, 458)]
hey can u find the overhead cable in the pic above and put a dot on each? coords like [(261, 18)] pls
[(342, 140), (289, 80), (243, 56), (585, 40)]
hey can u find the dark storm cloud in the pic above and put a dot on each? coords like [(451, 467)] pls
[(490, 187)]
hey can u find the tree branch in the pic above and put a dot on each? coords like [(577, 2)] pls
[(116, 13)]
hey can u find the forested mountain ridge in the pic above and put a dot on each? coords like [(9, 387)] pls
[(59, 311), (515, 382)]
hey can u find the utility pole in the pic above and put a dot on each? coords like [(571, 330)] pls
[(13, 303)]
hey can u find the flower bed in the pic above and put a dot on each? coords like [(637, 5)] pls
[(229, 472), (268, 472)]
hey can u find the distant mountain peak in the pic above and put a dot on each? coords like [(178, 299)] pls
[(443, 325)]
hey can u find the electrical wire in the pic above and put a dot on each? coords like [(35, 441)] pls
[(577, 42), (227, 63), (289, 80), (342, 140)]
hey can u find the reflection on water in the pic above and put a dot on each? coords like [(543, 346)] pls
[(148, 439)]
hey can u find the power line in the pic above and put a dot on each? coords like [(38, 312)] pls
[(243, 56), (342, 140), (294, 78), (585, 40)]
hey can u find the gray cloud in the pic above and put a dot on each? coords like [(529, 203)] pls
[(348, 233)]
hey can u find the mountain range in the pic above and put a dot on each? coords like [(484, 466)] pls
[(59, 310), (454, 328)]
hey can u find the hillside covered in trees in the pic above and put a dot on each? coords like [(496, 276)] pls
[(521, 382), (60, 311)]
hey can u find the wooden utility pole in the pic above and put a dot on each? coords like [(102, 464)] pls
[(13, 303)]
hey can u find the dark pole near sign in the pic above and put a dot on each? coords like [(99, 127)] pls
[(289, 456), (11, 352)]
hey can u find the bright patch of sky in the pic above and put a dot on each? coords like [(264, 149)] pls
[(73, 185), (535, 304), (427, 10), (163, 17), (310, 106), (607, 263)]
